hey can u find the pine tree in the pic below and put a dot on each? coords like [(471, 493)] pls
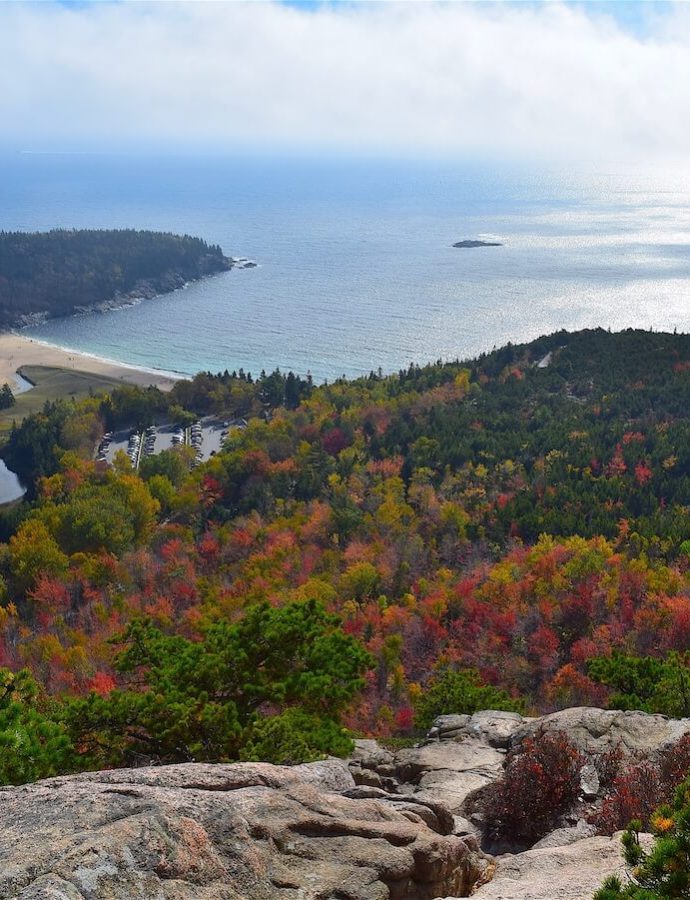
[(206, 700), (664, 871), (32, 744)]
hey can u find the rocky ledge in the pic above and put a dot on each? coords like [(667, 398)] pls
[(144, 289), (249, 831), (381, 826), (464, 755)]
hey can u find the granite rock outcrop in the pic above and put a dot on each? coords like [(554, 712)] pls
[(249, 831), (383, 825)]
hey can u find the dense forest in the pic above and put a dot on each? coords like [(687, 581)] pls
[(509, 531), (59, 272)]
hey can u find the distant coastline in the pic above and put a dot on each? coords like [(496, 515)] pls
[(373, 275), (125, 267), (64, 272), (144, 291)]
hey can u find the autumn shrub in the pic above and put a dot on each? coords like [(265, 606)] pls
[(638, 789), (674, 765), (608, 765), (540, 783), (664, 870), (635, 794)]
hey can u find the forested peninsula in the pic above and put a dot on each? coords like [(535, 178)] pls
[(62, 272)]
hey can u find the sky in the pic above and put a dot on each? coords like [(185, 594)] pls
[(562, 81)]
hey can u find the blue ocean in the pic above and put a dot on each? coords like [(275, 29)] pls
[(356, 268)]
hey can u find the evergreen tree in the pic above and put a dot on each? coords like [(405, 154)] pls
[(646, 683), (664, 871), (460, 691), (206, 700), (6, 397), (32, 744)]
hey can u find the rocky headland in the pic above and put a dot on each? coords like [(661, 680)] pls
[(404, 825), (62, 272), (145, 289)]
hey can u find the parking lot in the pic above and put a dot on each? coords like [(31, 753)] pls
[(212, 433), (206, 437), (111, 443)]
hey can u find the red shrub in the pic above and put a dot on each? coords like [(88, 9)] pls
[(404, 720), (635, 794), (674, 766), (540, 783), (640, 788), (608, 766)]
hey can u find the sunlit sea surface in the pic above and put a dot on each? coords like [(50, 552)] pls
[(356, 265)]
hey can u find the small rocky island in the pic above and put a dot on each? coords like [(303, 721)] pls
[(64, 272), (470, 244)]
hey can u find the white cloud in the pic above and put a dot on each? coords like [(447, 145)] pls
[(515, 80)]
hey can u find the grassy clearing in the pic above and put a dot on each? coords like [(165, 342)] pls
[(52, 383)]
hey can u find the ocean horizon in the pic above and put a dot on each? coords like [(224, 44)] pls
[(355, 265)]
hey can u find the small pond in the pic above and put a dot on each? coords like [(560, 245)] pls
[(21, 384), (10, 486)]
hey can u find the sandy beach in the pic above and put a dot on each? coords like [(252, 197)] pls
[(17, 351)]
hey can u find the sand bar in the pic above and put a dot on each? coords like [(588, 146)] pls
[(17, 351)]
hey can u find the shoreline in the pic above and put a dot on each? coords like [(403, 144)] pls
[(17, 351)]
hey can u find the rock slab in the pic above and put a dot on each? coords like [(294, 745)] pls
[(572, 872), (249, 831)]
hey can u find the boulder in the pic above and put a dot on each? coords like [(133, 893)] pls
[(383, 826), (590, 784), (561, 837), (447, 727), (493, 726), (445, 773), (463, 754), (249, 831), (373, 765), (370, 755), (471, 755), (593, 730), (598, 730)]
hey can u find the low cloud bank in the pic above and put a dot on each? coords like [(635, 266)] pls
[(549, 81)]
